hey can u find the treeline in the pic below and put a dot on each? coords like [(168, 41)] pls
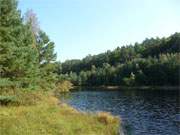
[(27, 58), (154, 62)]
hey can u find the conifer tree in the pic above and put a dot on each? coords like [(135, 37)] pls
[(45, 49), (47, 59), (18, 57)]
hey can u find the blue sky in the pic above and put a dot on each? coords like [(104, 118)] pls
[(82, 27)]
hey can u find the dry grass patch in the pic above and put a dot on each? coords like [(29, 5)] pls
[(107, 118)]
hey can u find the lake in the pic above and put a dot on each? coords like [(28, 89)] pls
[(143, 112)]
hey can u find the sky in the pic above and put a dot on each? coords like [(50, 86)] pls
[(82, 27)]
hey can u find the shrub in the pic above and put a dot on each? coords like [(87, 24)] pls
[(25, 97), (20, 97), (7, 100), (63, 86)]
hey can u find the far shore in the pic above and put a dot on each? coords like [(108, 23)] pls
[(131, 87)]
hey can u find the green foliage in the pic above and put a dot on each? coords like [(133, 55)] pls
[(154, 62), (63, 86), (11, 97), (129, 81), (6, 100), (27, 58), (46, 60), (27, 98), (4, 82), (18, 58)]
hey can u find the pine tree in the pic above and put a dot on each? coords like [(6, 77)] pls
[(47, 59), (18, 58), (45, 49)]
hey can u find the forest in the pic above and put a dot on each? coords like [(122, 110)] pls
[(154, 62)]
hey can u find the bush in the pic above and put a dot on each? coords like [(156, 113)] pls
[(25, 97), (20, 97), (7, 100), (63, 86)]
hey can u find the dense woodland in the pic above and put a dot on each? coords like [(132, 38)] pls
[(154, 62), (27, 58)]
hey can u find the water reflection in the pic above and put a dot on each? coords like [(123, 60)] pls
[(144, 112)]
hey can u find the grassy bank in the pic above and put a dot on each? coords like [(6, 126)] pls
[(49, 117)]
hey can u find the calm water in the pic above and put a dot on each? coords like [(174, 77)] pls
[(144, 112)]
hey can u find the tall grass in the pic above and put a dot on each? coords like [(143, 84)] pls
[(39, 113)]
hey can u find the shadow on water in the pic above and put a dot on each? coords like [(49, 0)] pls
[(143, 112)]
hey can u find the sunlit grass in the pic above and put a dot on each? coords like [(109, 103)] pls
[(49, 117)]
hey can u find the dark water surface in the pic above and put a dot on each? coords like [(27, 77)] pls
[(143, 112)]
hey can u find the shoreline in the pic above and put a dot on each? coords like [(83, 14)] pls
[(51, 114), (131, 88)]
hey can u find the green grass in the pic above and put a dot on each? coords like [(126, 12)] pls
[(50, 118)]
